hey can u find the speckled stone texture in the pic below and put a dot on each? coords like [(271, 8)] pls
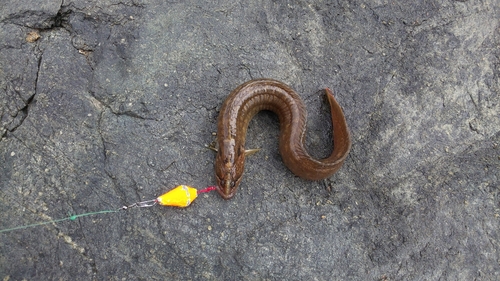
[(106, 103)]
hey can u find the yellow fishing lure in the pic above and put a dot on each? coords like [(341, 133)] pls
[(181, 196)]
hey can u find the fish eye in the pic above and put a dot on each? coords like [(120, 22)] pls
[(232, 184)]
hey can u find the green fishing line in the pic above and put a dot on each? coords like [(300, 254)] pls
[(73, 217), (181, 196)]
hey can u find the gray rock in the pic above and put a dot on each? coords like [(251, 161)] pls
[(107, 103), (27, 13)]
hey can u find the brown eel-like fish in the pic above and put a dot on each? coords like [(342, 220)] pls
[(266, 94)]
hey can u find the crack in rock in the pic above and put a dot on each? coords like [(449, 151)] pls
[(22, 112), (45, 16)]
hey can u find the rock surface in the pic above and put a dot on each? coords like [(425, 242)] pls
[(106, 103)]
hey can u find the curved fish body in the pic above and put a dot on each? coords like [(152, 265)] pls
[(266, 94)]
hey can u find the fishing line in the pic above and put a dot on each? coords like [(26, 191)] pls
[(73, 217), (181, 196)]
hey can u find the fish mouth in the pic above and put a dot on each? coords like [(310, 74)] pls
[(225, 191), (224, 195)]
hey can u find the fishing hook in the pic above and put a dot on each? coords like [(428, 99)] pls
[(143, 204)]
